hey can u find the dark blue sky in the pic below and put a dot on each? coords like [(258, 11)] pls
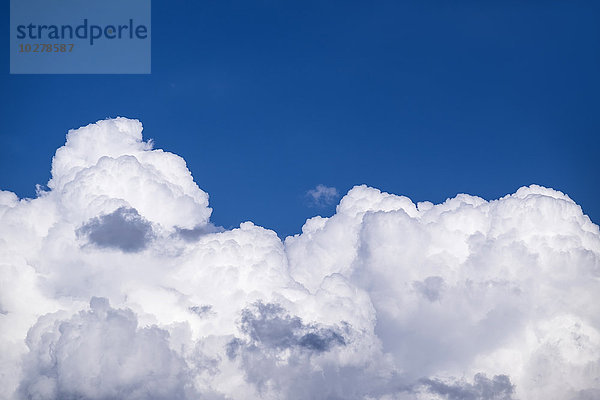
[(267, 99)]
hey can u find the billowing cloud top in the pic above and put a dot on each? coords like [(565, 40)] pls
[(114, 284), (107, 165)]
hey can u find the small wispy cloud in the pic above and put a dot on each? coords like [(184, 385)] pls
[(322, 195)]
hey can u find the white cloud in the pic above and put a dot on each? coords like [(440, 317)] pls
[(386, 299), (322, 195), (99, 354)]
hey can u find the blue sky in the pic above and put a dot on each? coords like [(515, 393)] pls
[(267, 99)]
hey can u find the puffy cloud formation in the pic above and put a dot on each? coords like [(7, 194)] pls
[(114, 284), (100, 354)]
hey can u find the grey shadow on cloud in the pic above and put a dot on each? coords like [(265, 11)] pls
[(191, 235), (269, 327), (431, 288), (483, 388), (124, 229)]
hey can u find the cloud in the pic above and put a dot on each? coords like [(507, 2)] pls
[(114, 283), (99, 354), (322, 195)]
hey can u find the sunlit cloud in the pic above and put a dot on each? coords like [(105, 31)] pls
[(115, 284)]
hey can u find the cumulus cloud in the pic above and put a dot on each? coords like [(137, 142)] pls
[(322, 195), (100, 354), (115, 284)]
